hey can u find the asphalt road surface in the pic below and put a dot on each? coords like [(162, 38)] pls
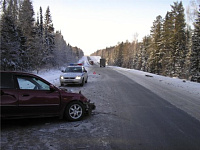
[(128, 117)]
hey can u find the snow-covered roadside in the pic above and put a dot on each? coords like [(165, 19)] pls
[(181, 93), (185, 86), (53, 75), (192, 88), (176, 83), (185, 95), (95, 59)]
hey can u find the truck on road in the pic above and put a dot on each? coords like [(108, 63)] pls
[(102, 62)]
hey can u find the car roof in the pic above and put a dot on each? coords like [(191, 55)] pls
[(22, 73), (25, 74)]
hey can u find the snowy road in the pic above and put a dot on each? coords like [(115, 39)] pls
[(133, 111)]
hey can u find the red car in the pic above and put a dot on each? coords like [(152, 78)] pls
[(25, 95)]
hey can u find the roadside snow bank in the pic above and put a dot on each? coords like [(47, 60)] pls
[(53, 75), (84, 61), (95, 59), (184, 85), (184, 95)]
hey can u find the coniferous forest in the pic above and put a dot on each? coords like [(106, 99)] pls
[(29, 44), (172, 48)]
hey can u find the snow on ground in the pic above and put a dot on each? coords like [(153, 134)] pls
[(184, 85), (84, 61), (178, 84), (183, 94), (96, 59), (53, 75)]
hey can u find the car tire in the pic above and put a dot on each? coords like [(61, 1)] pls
[(74, 111), (82, 82)]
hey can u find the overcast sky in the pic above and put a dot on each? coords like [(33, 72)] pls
[(96, 24)]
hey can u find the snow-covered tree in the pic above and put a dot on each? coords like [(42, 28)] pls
[(27, 45), (49, 38), (26, 24), (180, 51), (167, 40), (195, 54), (10, 40), (145, 47), (119, 60), (156, 46)]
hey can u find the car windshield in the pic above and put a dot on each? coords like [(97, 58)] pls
[(73, 69)]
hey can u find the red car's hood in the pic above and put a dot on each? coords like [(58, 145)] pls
[(67, 93)]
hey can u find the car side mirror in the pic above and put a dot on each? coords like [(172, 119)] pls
[(63, 71), (52, 88)]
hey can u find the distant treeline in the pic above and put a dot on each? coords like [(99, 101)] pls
[(31, 44), (172, 48)]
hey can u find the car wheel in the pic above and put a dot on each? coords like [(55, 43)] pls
[(82, 82), (74, 111)]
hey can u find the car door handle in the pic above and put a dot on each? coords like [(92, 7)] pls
[(24, 95)]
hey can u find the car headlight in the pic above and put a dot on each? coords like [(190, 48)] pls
[(61, 77), (78, 77)]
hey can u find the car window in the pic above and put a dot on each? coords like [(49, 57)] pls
[(31, 83), (78, 69), (7, 80), (73, 69), (69, 69)]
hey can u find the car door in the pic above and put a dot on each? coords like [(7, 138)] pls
[(9, 96), (36, 97)]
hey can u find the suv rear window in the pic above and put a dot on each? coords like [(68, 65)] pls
[(7, 81)]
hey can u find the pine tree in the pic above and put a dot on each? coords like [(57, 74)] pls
[(154, 61), (139, 58), (26, 24), (195, 56), (39, 45), (119, 59), (41, 24), (167, 40), (187, 64), (61, 51), (179, 38), (145, 47), (10, 43), (15, 11), (49, 37)]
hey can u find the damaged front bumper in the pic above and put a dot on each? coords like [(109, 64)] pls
[(89, 107)]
